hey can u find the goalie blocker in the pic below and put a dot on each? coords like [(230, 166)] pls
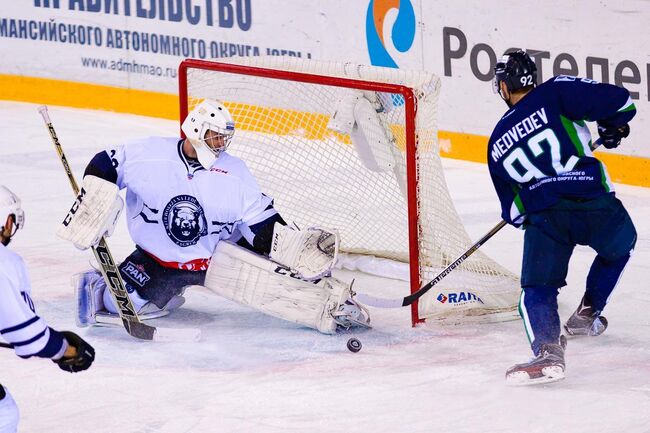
[(249, 279), (93, 214)]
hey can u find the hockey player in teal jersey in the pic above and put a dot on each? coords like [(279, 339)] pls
[(551, 185)]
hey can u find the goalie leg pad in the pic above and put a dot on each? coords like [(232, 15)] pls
[(95, 305), (89, 293), (248, 279)]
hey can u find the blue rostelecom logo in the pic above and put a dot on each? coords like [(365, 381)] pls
[(402, 33)]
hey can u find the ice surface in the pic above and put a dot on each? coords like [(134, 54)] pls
[(252, 373)]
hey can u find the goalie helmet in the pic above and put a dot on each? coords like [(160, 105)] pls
[(517, 70), (209, 127), (12, 216)]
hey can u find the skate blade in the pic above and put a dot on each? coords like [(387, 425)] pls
[(352, 323), (582, 333), (161, 334), (103, 319), (361, 324), (597, 328), (522, 378)]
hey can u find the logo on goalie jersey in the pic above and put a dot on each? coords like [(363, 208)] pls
[(184, 220), (136, 273), (458, 298)]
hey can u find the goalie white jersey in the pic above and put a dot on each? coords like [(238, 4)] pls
[(178, 211)]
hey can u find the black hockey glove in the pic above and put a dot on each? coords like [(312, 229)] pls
[(85, 354), (611, 135)]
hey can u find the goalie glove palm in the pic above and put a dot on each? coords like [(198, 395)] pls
[(311, 253)]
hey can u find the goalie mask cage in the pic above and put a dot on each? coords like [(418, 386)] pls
[(355, 148)]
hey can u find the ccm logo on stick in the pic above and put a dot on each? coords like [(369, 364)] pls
[(74, 208)]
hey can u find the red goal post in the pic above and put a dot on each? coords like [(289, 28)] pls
[(267, 94)]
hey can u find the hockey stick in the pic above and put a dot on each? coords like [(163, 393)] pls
[(111, 274), (408, 300)]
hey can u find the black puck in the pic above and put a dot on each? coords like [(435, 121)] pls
[(354, 345)]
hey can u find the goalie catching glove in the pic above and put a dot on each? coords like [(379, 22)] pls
[(310, 253), (93, 214)]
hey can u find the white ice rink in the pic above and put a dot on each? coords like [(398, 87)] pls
[(252, 373)]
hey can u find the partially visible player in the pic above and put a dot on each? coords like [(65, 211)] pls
[(19, 325), (551, 185), (184, 197)]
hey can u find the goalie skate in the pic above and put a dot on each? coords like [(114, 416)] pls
[(585, 321), (350, 314), (546, 367)]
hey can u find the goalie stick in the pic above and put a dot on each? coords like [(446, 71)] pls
[(111, 274), (408, 300)]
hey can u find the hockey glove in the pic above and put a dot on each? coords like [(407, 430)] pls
[(311, 253), (84, 358), (611, 135)]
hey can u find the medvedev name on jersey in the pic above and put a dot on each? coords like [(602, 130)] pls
[(520, 130)]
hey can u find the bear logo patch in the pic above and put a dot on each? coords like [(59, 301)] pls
[(184, 220)]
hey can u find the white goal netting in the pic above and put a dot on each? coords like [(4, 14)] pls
[(299, 135)]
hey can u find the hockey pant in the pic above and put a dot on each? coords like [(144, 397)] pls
[(146, 280), (551, 235)]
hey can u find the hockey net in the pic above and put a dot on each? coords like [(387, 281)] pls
[(387, 197)]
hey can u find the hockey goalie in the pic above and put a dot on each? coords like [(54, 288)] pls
[(197, 217)]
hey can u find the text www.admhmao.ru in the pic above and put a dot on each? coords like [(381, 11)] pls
[(128, 66)]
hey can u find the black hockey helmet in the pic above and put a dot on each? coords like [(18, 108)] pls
[(516, 69)]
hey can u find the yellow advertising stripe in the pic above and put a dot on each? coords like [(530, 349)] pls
[(626, 169), (92, 96), (468, 147), (281, 121), (631, 170)]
